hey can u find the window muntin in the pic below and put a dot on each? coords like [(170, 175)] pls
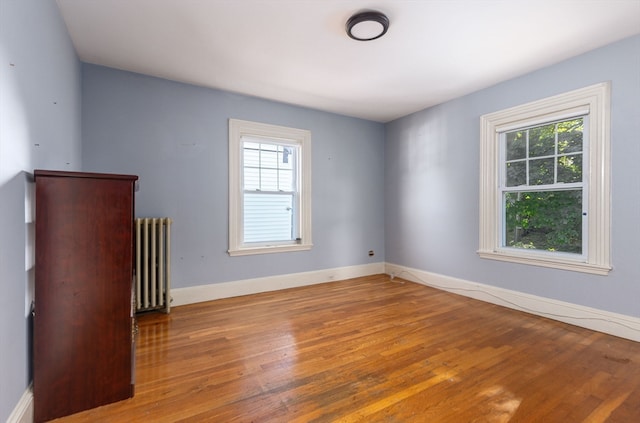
[(593, 104), (542, 187), (269, 188)]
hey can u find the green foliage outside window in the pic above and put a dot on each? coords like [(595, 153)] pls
[(546, 220)]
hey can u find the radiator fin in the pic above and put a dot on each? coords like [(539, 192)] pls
[(153, 264)]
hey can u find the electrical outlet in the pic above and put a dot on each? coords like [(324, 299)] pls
[(371, 253)]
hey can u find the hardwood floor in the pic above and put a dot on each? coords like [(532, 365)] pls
[(373, 350)]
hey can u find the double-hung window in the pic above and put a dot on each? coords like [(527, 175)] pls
[(542, 190), (270, 188), (545, 182)]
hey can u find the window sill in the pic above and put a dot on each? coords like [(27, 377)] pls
[(247, 251), (552, 262)]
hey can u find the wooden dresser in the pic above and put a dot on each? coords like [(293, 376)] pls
[(84, 340)]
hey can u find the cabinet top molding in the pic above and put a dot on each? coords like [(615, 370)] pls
[(60, 173)]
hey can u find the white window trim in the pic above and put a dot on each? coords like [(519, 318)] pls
[(301, 137), (595, 100)]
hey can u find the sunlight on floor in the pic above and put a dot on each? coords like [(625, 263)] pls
[(500, 404)]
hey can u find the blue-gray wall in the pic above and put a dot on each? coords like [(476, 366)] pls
[(175, 138), (432, 188), (39, 128)]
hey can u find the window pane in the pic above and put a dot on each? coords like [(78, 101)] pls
[(516, 145), (541, 171), (251, 157), (268, 158), (268, 217), (286, 180), (251, 178), (268, 179), (570, 136), (547, 220), (570, 168), (542, 141), (516, 174)]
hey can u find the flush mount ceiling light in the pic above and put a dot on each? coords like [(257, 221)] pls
[(367, 26)]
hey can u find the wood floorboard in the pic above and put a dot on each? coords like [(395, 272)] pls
[(372, 350)]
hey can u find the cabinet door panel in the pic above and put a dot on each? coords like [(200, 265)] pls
[(82, 324)]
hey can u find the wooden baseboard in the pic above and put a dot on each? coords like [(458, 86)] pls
[(201, 293), (599, 320), (23, 411)]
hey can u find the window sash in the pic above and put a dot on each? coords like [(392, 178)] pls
[(556, 155), (527, 158), (269, 166), (269, 217), (550, 238)]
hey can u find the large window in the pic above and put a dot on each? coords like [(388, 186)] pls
[(545, 182), (270, 188)]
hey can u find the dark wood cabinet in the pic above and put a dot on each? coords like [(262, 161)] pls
[(84, 338)]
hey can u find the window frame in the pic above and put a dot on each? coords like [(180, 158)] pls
[(593, 101), (299, 138)]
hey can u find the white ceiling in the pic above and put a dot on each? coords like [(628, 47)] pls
[(297, 51)]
